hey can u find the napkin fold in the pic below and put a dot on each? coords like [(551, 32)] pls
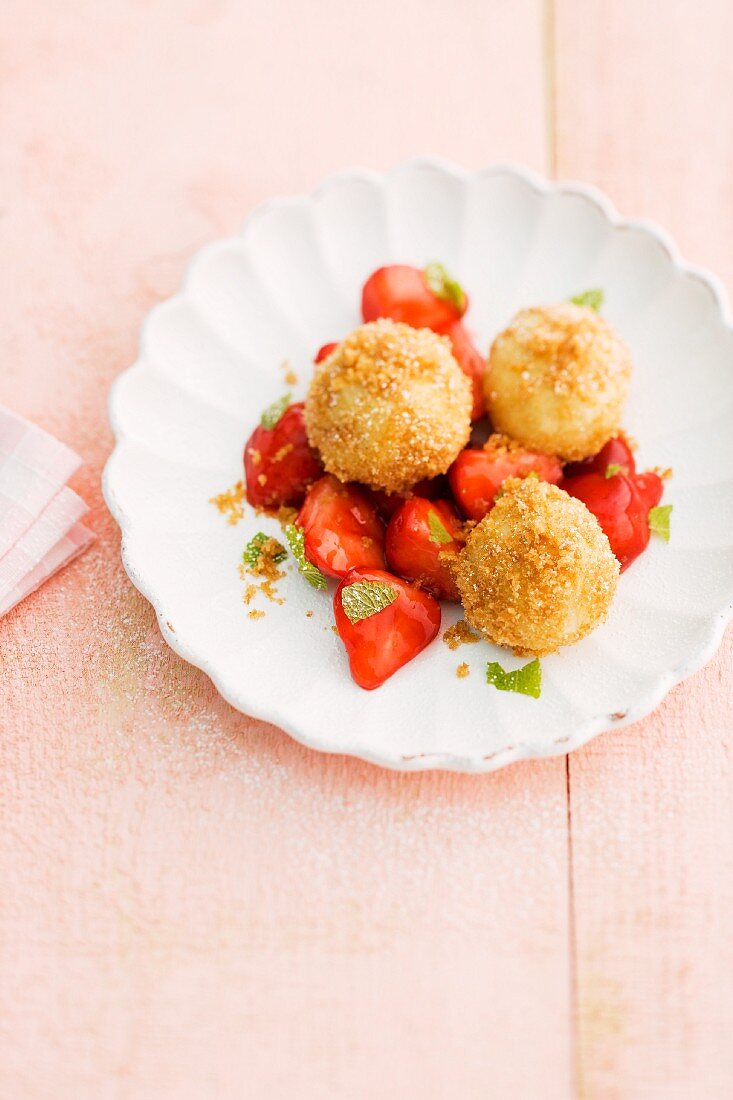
[(68, 547), (40, 529), (33, 468)]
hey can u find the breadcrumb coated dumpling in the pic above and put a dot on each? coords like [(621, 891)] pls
[(557, 380), (537, 572), (389, 406)]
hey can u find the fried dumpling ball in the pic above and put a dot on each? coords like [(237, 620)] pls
[(557, 380), (389, 406), (537, 572)]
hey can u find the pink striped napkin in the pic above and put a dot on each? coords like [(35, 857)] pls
[(33, 468), (39, 516), (68, 547)]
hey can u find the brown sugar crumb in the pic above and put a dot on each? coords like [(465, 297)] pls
[(664, 472), (335, 629), (255, 613), (265, 569), (268, 554), (250, 591), (255, 455), (459, 634), (285, 515), (309, 614), (290, 376), (268, 590), (282, 452), (265, 587), (461, 672), (230, 503), (498, 444), (261, 479)]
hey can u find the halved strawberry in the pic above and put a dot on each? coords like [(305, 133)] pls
[(341, 528), (279, 463), (471, 362), (425, 298), (615, 457), (323, 351), (398, 621), (477, 476), (420, 535), (621, 505)]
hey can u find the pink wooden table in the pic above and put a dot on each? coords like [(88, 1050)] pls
[(193, 906)]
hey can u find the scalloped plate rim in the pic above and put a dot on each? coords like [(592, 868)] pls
[(446, 761)]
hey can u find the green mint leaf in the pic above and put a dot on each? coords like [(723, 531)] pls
[(362, 599), (314, 576), (438, 531), (526, 680), (253, 550), (612, 469), (444, 287), (591, 299), (273, 413), (659, 520)]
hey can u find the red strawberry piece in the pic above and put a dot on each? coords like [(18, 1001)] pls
[(615, 453), (621, 508), (420, 536), (279, 463), (477, 476), (471, 362), (323, 351), (379, 645), (403, 294), (650, 487), (342, 528)]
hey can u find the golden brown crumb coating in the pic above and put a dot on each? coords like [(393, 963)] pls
[(537, 572), (557, 380), (389, 406)]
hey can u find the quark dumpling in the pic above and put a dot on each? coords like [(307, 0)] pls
[(389, 406), (557, 380), (537, 572)]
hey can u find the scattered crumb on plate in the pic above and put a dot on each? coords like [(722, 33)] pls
[(290, 376), (459, 634), (266, 572), (230, 503)]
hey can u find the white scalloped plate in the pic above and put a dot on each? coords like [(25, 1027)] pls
[(211, 360)]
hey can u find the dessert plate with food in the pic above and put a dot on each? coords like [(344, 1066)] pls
[(434, 468)]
